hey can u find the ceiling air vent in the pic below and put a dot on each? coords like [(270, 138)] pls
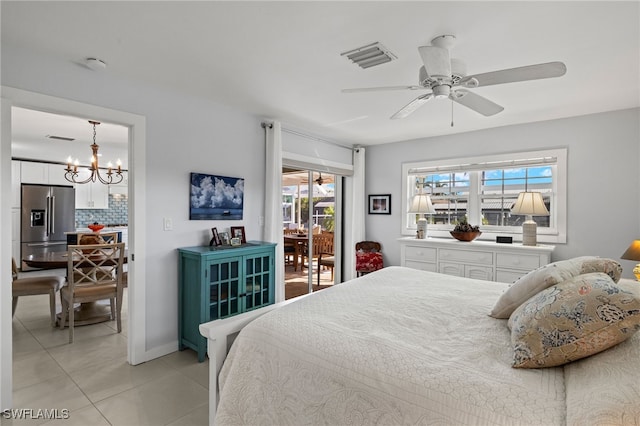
[(370, 55), (60, 138)]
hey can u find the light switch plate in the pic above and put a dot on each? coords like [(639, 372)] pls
[(168, 224)]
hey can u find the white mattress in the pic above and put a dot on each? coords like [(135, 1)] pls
[(394, 347)]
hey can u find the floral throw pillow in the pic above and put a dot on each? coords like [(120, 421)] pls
[(368, 261), (574, 319), (548, 275)]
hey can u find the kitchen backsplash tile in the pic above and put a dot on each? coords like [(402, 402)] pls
[(117, 213)]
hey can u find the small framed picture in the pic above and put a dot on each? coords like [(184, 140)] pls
[(236, 241), (224, 238), (238, 232), (215, 241), (380, 204)]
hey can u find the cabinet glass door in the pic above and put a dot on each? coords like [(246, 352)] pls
[(257, 289), (224, 288)]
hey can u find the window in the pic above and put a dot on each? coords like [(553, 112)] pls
[(484, 188)]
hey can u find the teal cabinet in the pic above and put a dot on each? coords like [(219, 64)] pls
[(218, 282)]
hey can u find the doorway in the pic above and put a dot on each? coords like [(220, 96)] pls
[(310, 204), (136, 333)]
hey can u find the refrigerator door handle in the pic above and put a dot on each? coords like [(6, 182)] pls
[(48, 217), (52, 226)]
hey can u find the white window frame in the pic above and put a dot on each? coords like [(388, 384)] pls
[(554, 234)]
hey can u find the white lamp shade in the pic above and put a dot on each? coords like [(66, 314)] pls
[(530, 203), (421, 203)]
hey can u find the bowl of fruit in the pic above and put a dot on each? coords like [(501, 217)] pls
[(465, 232)]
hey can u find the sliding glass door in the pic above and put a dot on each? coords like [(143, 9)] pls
[(309, 201)]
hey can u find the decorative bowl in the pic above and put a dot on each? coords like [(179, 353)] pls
[(465, 236), (95, 227)]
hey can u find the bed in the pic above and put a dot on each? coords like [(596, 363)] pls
[(402, 346)]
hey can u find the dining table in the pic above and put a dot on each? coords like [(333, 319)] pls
[(88, 312)]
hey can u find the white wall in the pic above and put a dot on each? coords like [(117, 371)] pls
[(603, 178), (184, 134)]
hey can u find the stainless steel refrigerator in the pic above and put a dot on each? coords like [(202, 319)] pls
[(47, 213)]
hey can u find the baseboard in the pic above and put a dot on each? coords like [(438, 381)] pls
[(161, 351)]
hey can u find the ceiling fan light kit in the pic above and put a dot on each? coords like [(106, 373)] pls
[(446, 78)]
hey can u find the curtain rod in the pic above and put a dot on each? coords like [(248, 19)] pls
[(264, 125)]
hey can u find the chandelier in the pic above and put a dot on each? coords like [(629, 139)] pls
[(71, 172)]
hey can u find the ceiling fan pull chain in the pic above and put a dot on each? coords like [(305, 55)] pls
[(452, 113)]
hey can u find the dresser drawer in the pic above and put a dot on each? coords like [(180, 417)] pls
[(525, 262), (423, 266), (483, 257), (422, 254), (470, 271), (455, 269)]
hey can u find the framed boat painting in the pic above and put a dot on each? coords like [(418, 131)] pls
[(215, 197)]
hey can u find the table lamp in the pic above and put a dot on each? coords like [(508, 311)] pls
[(633, 253), (421, 204), (529, 204)]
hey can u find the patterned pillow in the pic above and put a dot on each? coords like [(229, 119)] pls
[(368, 261), (574, 319), (548, 275)]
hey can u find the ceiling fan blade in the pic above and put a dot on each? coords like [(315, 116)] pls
[(476, 102), (529, 72), (412, 106), (436, 61), (381, 89)]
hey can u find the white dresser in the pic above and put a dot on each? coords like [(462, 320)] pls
[(476, 259)]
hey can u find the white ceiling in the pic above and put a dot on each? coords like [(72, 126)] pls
[(29, 131), (281, 60)]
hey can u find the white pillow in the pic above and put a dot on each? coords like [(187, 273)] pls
[(548, 275)]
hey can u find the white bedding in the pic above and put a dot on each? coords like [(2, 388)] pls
[(398, 346)]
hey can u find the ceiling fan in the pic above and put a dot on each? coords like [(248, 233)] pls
[(319, 180), (446, 77)]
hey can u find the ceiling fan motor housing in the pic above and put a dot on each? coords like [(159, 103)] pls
[(441, 91)]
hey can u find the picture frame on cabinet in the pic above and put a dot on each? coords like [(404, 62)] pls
[(238, 232), (224, 238), (215, 241), (380, 204)]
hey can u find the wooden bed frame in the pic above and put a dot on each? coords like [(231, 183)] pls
[(217, 333)]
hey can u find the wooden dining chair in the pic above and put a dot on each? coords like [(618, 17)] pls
[(327, 259), (49, 284), (322, 244), (94, 272), (289, 247)]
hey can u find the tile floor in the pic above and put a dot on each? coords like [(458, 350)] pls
[(92, 379)]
